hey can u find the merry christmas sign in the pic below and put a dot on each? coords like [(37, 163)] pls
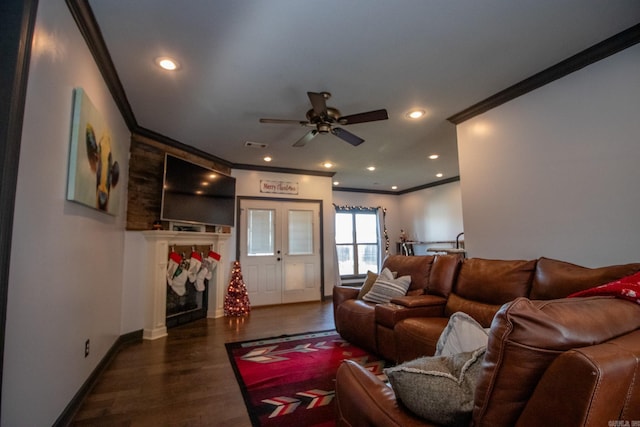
[(278, 187)]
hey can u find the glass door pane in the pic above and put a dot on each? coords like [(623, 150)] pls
[(300, 232), (261, 232)]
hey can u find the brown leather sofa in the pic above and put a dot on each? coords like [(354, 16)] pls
[(563, 362), (409, 327), (549, 361)]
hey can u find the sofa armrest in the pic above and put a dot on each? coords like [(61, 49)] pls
[(409, 306), (343, 293), (589, 386), (363, 400), (420, 301)]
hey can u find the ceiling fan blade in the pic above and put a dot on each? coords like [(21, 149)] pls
[(369, 116), (285, 122), (306, 138), (347, 136), (319, 103)]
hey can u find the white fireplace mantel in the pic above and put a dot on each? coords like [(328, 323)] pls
[(158, 243)]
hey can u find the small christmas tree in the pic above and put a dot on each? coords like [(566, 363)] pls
[(236, 302)]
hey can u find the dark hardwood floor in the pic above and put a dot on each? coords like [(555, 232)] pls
[(185, 379)]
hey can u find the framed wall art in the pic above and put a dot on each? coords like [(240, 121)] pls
[(94, 170)]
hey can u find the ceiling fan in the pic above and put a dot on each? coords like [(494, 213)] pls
[(326, 119)]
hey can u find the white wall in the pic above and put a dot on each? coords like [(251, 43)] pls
[(309, 188), (65, 279), (555, 172), (433, 214)]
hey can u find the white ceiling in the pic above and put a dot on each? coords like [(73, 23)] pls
[(246, 59)]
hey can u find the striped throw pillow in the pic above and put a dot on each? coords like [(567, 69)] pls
[(384, 289)]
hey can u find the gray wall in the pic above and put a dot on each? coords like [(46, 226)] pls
[(555, 172), (65, 277)]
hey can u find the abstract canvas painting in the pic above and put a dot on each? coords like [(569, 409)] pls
[(94, 170)]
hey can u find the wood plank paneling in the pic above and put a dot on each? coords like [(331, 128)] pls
[(146, 169)]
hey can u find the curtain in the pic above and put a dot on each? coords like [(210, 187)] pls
[(382, 237), (337, 279)]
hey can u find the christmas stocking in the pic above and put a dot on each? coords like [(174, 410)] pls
[(194, 265), (174, 263), (179, 282), (206, 272)]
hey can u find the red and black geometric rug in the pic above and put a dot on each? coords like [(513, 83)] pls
[(289, 380)]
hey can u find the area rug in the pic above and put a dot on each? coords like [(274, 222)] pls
[(289, 380)]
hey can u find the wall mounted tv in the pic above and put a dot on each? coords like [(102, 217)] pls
[(196, 194)]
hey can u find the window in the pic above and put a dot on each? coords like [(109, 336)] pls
[(357, 241)]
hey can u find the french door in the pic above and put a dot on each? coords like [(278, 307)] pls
[(280, 251)]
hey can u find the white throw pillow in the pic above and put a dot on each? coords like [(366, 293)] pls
[(462, 334)]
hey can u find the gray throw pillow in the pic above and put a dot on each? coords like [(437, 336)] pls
[(439, 389)]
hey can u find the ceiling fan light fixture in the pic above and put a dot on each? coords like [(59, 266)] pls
[(167, 63)]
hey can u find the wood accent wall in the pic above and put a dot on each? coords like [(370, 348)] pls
[(146, 169)]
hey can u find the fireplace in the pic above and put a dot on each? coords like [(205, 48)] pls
[(156, 292)]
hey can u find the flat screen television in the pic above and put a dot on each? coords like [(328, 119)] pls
[(195, 194)]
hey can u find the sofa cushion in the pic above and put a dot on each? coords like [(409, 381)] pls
[(526, 336), (418, 336), (443, 274), (483, 313), (627, 288), (386, 287), (462, 334), (438, 389), (494, 281), (418, 267), (558, 279)]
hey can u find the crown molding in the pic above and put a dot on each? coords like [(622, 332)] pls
[(595, 53)]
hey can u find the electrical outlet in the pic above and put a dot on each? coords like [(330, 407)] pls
[(86, 348)]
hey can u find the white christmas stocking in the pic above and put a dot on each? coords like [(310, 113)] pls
[(206, 272), (179, 282), (174, 262), (194, 265)]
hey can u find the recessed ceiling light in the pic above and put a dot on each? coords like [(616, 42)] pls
[(167, 63), (371, 168), (336, 182), (327, 165), (394, 187), (433, 156), (439, 175), (213, 176), (415, 114), (267, 158)]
